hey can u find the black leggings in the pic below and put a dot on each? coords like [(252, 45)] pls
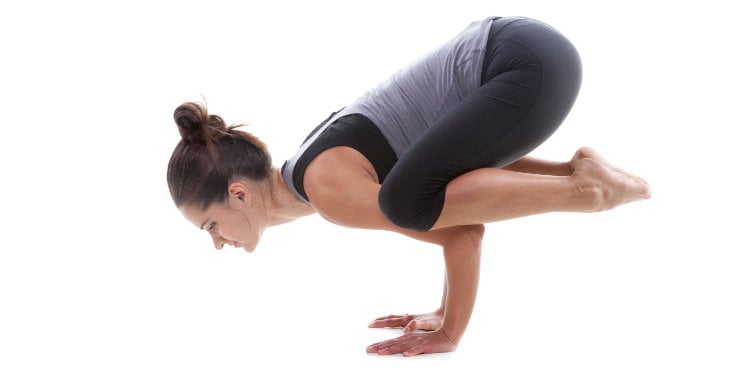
[(531, 77)]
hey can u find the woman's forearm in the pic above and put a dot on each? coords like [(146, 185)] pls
[(462, 260), (443, 304)]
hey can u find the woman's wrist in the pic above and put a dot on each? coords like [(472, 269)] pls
[(448, 337), (454, 336)]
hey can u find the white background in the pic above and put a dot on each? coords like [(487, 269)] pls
[(98, 270)]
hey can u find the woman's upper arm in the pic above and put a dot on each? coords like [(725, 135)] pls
[(341, 185)]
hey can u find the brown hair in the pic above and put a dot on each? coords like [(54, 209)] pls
[(210, 156)]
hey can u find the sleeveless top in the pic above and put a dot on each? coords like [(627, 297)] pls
[(398, 111)]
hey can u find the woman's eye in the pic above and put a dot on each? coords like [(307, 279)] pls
[(212, 226)]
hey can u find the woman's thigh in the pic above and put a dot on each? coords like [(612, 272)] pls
[(530, 82)]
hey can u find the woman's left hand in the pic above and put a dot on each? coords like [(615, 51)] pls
[(411, 323), (413, 344)]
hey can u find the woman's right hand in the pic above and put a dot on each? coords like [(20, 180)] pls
[(410, 323)]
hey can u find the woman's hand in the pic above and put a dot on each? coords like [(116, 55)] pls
[(410, 323), (412, 344)]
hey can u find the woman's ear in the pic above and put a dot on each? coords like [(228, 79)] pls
[(240, 193)]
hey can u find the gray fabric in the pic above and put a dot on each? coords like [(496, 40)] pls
[(289, 166), (409, 102)]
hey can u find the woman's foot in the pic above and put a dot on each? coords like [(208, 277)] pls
[(586, 152), (605, 185)]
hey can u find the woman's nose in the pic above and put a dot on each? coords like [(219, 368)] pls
[(218, 242)]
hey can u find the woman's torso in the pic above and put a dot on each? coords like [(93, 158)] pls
[(389, 118)]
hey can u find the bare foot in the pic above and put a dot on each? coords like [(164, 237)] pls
[(606, 186), (586, 152)]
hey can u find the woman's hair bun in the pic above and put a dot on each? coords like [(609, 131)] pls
[(196, 125)]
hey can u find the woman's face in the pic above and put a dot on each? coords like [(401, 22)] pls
[(238, 221)]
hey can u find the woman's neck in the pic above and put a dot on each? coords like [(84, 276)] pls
[(284, 206)]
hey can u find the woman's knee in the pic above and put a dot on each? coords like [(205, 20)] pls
[(395, 206), (406, 209)]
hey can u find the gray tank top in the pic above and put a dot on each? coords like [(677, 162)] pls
[(410, 101)]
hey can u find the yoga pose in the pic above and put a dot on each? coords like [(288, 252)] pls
[(433, 153)]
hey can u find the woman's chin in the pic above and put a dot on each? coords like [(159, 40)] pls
[(246, 247)]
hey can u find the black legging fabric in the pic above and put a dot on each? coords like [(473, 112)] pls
[(531, 77)]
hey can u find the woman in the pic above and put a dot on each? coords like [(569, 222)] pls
[(433, 153)]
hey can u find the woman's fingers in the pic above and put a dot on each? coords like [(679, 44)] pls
[(393, 346), (409, 323), (375, 347), (391, 321), (389, 317), (426, 323), (416, 350), (413, 344), (411, 326)]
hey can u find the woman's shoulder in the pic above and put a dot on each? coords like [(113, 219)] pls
[(335, 169), (339, 182)]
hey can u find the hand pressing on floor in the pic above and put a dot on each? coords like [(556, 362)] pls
[(411, 323), (461, 249), (411, 344)]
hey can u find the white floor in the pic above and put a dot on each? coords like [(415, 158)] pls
[(99, 271)]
